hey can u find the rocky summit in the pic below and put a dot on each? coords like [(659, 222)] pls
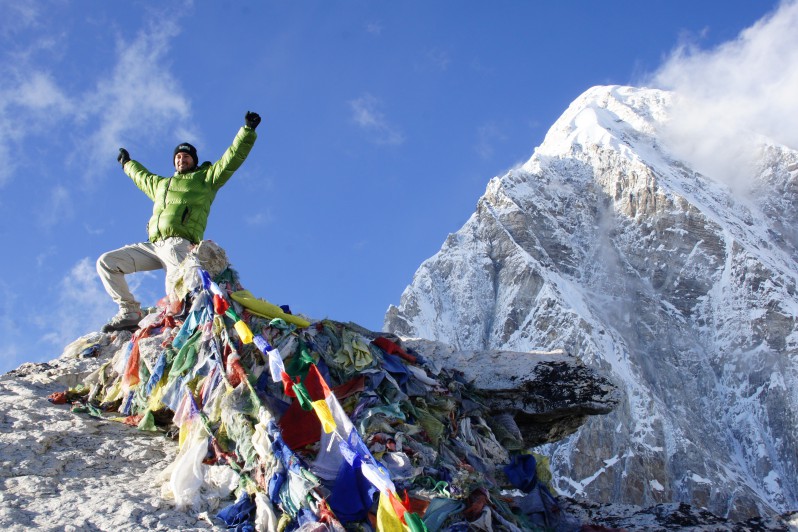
[(63, 469), (677, 285), (223, 411)]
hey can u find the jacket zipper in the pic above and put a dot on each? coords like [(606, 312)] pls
[(166, 193)]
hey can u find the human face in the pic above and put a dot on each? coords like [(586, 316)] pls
[(183, 162)]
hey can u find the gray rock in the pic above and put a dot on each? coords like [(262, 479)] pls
[(550, 394)]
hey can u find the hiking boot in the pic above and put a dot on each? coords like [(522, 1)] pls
[(125, 320)]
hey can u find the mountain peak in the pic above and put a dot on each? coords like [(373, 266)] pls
[(608, 245), (606, 117)]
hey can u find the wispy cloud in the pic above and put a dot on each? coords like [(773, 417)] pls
[(17, 15), (11, 355), (44, 257), (367, 113), (33, 333), (439, 58), (731, 94), (39, 92), (139, 95), (27, 100), (78, 304), (487, 137), (31, 100), (134, 93), (374, 28), (260, 219), (81, 306), (6, 170), (58, 209), (91, 230)]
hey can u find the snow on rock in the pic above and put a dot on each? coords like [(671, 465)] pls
[(604, 245), (62, 471)]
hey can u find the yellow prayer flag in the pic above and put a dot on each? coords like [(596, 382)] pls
[(243, 331), (387, 520), (325, 415), (185, 430)]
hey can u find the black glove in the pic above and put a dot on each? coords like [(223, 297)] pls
[(252, 119), (123, 156)]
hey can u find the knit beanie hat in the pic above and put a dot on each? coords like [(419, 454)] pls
[(186, 148)]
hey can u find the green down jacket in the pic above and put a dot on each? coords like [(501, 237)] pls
[(181, 203)]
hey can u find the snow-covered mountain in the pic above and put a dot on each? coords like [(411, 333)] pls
[(606, 244)]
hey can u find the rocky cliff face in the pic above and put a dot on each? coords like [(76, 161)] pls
[(606, 246)]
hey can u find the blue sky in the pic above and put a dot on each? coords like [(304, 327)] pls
[(382, 124)]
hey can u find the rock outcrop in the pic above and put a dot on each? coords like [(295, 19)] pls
[(549, 394)]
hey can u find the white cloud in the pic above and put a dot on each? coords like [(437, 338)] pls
[(11, 354), (734, 93), (17, 15), (30, 98), (147, 286), (58, 208), (10, 357), (135, 93), (80, 306), (367, 114), (260, 219), (8, 168), (45, 256), (440, 59), (27, 100), (40, 92), (375, 28), (139, 95), (186, 134)]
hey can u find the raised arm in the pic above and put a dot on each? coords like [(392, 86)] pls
[(235, 155), (143, 178)]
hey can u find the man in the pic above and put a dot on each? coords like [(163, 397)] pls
[(181, 204)]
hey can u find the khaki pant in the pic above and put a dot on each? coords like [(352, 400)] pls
[(112, 266)]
